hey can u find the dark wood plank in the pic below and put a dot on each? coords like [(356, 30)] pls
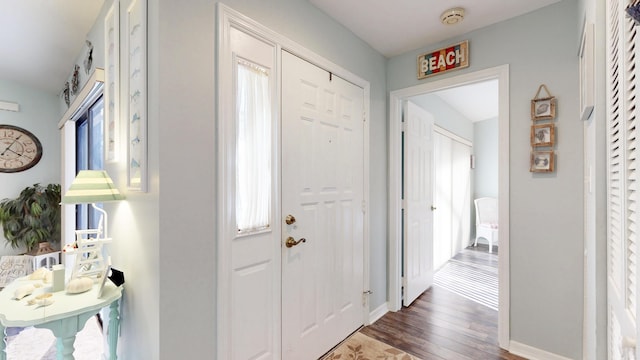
[(443, 325)]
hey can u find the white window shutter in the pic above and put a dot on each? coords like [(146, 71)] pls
[(623, 182)]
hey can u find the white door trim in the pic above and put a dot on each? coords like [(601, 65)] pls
[(226, 19), (444, 132), (395, 184)]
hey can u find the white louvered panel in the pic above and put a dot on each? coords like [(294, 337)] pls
[(614, 336), (631, 174), (631, 273), (615, 253), (632, 216), (615, 220), (615, 207), (623, 183)]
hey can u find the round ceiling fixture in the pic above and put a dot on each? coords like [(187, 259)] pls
[(452, 16)]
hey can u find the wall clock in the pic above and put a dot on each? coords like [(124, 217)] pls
[(19, 149)]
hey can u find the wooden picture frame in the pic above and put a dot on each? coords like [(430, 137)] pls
[(586, 54), (542, 161), (543, 135), (543, 108)]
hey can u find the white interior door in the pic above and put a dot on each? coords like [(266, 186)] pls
[(443, 225), (460, 196), (418, 214), (322, 188), (452, 196)]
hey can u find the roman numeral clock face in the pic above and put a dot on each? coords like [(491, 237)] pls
[(19, 149)]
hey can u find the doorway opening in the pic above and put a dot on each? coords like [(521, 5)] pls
[(465, 189), (397, 98)]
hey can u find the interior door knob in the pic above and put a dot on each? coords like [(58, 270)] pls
[(291, 242), (290, 219), (433, 208)]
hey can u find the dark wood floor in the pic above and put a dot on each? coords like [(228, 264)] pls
[(443, 325)]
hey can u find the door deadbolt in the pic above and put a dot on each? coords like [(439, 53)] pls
[(290, 219)]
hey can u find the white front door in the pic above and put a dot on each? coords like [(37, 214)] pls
[(418, 185), (322, 199)]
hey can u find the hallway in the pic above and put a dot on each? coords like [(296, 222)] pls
[(442, 325)]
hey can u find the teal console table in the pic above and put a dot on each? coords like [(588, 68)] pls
[(64, 317)]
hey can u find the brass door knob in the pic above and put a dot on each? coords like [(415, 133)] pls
[(290, 219), (291, 242)]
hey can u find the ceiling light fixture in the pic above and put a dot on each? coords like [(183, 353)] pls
[(452, 16)]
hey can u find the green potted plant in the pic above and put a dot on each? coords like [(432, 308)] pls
[(33, 218)]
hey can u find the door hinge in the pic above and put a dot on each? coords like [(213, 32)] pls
[(364, 116), (365, 295), (364, 207)]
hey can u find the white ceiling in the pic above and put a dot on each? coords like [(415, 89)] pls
[(40, 39), (476, 102), (395, 27)]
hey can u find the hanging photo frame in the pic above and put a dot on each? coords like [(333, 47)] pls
[(543, 135), (542, 161), (543, 108)]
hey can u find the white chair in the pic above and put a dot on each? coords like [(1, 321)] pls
[(487, 220)]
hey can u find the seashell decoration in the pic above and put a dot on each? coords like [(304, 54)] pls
[(40, 274), (79, 285), (23, 291), (42, 300)]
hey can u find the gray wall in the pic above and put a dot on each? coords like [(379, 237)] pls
[(545, 210), (445, 116), (37, 114), (485, 149)]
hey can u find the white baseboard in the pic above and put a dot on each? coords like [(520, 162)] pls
[(378, 312), (532, 353)]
